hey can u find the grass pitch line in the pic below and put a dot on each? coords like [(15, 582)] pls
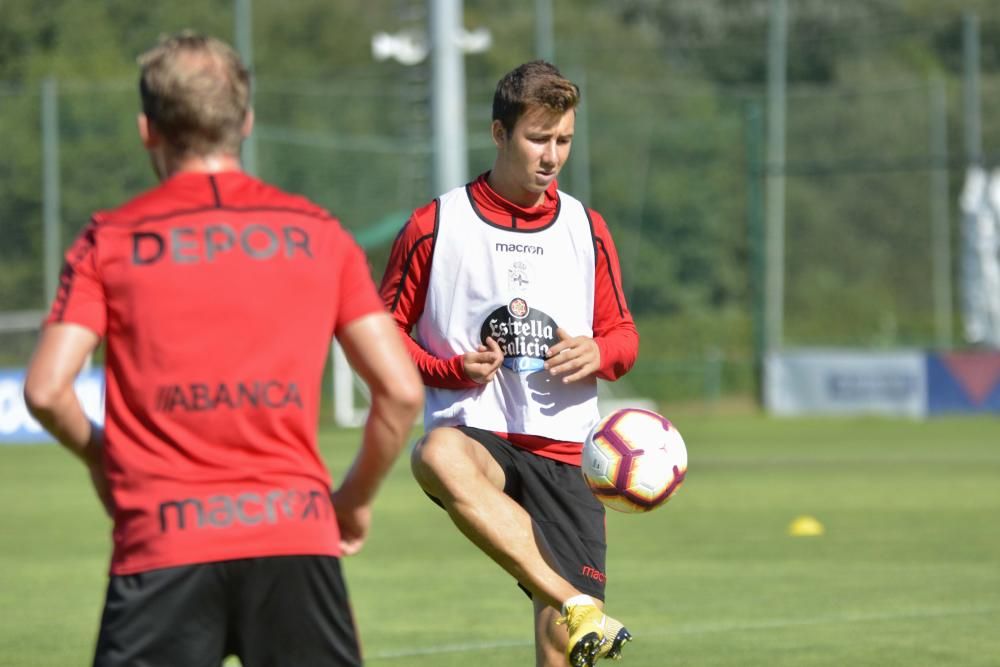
[(778, 624), (698, 629), (469, 647)]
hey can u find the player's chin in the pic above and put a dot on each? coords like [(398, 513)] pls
[(542, 182)]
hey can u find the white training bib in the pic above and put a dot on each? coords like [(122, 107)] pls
[(516, 287)]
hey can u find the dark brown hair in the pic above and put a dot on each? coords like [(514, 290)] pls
[(533, 84)]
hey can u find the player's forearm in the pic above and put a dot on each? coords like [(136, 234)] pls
[(386, 432), (435, 372), (60, 413), (619, 348)]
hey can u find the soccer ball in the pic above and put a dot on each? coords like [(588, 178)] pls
[(634, 460)]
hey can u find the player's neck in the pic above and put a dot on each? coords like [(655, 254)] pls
[(202, 164), (166, 165), (509, 190)]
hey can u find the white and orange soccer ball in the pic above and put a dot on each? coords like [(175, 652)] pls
[(634, 460)]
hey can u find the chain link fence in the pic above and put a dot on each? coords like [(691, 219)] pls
[(676, 167)]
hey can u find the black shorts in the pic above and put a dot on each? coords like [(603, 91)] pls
[(280, 610), (567, 514)]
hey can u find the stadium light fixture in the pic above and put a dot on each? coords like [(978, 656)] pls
[(410, 47)]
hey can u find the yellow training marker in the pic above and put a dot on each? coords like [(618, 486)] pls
[(805, 526)]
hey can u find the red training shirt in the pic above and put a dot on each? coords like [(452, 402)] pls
[(218, 296), (404, 291)]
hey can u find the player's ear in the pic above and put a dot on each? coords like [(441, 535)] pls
[(147, 131), (247, 124), (499, 133)]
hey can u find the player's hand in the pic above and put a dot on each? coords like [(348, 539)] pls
[(481, 366), (101, 486), (92, 456), (354, 521), (573, 357)]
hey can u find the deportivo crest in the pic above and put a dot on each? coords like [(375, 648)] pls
[(524, 334), (518, 278)]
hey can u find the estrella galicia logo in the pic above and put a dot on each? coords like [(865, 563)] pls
[(524, 334)]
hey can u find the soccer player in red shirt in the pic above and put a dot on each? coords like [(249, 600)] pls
[(217, 296), (511, 291)]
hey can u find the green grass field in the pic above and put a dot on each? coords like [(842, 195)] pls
[(907, 572)]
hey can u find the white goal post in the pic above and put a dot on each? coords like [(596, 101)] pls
[(347, 388)]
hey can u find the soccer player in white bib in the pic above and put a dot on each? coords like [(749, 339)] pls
[(509, 293)]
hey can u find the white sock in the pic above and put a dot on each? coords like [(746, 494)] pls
[(575, 600)]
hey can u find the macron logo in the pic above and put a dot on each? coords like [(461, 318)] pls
[(523, 248)]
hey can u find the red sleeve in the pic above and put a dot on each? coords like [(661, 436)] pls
[(614, 328), (80, 297), (358, 296), (404, 291)]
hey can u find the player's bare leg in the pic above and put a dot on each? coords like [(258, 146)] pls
[(461, 474), (550, 637)]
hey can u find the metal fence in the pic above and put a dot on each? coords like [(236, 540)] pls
[(872, 181)]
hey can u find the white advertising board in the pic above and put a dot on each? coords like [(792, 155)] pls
[(846, 382), (17, 426)]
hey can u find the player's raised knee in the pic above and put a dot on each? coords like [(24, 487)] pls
[(436, 453), (430, 452)]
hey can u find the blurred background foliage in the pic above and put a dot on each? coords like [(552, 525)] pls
[(671, 150)]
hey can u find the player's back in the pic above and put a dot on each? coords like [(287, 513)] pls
[(222, 295)]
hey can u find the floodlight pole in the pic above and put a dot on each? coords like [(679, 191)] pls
[(545, 48), (940, 213), (51, 201), (774, 266), (970, 86), (451, 162), (243, 29)]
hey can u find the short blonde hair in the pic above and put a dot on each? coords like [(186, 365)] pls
[(196, 91), (533, 84)]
